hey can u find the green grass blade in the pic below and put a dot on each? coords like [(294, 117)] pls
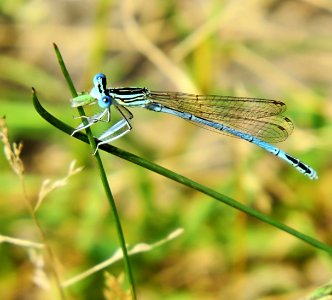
[(180, 179), (102, 174)]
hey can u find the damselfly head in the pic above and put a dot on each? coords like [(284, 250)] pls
[(99, 91), (99, 79), (99, 82)]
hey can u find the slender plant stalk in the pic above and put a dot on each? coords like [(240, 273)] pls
[(180, 179), (103, 177), (13, 154)]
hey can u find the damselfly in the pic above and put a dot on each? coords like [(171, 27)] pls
[(255, 120)]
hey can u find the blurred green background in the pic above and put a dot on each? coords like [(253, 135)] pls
[(258, 48)]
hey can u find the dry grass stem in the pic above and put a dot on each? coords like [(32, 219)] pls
[(39, 277), (12, 152), (139, 248), (48, 185), (20, 242)]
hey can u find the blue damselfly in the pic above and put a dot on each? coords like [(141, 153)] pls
[(258, 121)]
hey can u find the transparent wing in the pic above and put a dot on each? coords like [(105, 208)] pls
[(258, 117)]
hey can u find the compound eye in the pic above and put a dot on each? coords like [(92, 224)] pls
[(105, 101), (99, 78)]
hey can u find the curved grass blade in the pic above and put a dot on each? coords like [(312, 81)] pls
[(180, 179)]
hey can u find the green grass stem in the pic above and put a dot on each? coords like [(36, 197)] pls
[(180, 179), (103, 176)]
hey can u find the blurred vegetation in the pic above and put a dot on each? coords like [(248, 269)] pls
[(272, 49)]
